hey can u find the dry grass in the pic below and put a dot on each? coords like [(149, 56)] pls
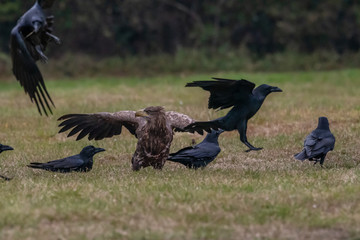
[(257, 195)]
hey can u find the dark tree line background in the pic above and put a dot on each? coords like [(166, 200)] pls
[(145, 27)]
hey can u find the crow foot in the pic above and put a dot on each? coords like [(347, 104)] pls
[(54, 38), (253, 149)]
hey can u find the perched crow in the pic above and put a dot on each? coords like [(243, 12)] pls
[(82, 162), (199, 155), (239, 94), (153, 127), (318, 143), (2, 149), (28, 41)]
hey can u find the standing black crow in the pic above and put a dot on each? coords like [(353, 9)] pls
[(152, 126), (199, 155), (2, 149), (239, 94), (318, 143), (82, 162), (28, 41)]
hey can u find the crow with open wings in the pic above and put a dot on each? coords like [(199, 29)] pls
[(28, 41), (242, 95), (153, 127)]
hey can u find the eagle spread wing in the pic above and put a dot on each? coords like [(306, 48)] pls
[(178, 121), (99, 125), (105, 125), (225, 93)]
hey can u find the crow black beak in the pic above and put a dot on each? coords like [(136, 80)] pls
[(276, 89), (6, 148), (97, 150)]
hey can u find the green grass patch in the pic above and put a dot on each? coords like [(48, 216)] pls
[(256, 195)]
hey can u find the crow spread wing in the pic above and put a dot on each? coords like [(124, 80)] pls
[(178, 121), (207, 126), (99, 125), (225, 93), (27, 72)]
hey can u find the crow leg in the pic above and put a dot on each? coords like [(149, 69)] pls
[(322, 159), (54, 38), (40, 52), (242, 131)]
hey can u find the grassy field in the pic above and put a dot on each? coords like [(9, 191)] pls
[(256, 195)]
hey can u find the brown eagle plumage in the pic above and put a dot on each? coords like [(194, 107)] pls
[(153, 127)]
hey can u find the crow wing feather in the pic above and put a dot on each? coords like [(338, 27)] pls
[(316, 144), (192, 152), (27, 72), (200, 127), (64, 163), (225, 93)]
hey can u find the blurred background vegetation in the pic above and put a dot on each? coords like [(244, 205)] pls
[(169, 36)]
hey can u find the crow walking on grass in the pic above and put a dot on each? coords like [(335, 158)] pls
[(199, 155), (239, 94), (28, 41), (82, 162), (318, 143)]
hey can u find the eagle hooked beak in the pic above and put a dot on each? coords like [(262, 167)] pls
[(141, 113)]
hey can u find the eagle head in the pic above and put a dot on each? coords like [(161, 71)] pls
[(150, 112)]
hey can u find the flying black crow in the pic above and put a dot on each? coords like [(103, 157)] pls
[(82, 162), (199, 155), (239, 94), (28, 41), (2, 149), (153, 127), (318, 143)]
